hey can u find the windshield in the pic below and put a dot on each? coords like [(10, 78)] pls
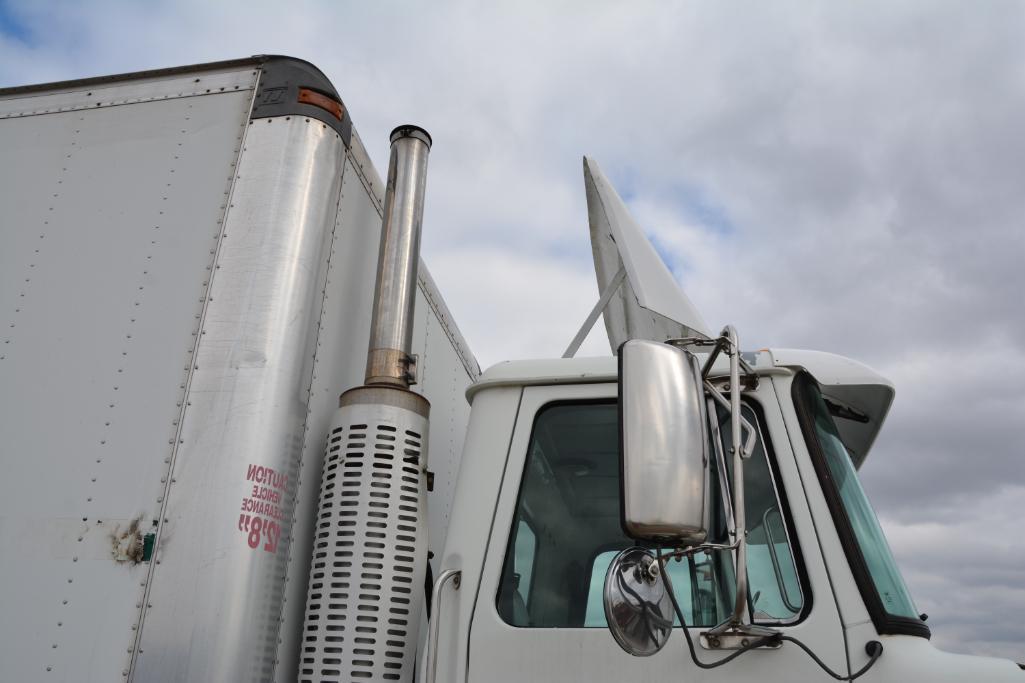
[(856, 520)]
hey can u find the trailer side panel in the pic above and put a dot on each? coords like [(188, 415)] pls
[(112, 204)]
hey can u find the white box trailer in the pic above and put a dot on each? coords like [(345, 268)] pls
[(187, 263), (192, 262)]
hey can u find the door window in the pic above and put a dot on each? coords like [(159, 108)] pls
[(566, 530)]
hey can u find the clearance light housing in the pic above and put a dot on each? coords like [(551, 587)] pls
[(333, 107)]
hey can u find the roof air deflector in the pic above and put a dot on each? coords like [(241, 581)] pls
[(649, 304)]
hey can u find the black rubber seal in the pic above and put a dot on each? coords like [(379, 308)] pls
[(278, 93)]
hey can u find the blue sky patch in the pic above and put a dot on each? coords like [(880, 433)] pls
[(699, 207), (675, 265), (11, 25), (689, 199)]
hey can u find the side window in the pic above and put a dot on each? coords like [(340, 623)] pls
[(775, 586), (566, 530), (569, 500), (524, 549), (699, 582)]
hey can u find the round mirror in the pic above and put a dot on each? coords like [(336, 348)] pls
[(637, 604)]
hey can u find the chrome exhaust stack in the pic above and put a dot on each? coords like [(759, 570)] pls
[(366, 590), (391, 331)]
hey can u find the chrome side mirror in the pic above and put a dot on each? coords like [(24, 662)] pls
[(664, 455)]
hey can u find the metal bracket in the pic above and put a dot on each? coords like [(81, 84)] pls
[(603, 301), (738, 638), (749, 378), (412, 364), (747, 447)]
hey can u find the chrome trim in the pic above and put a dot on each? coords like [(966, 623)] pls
[(784, 596), (740, 611), (638, 603), (433, 630)]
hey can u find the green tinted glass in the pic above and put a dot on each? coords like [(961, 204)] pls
[(566, 531), (775, 588), (867, 533)]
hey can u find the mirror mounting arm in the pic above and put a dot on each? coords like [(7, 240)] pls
[(727, 342), (681, 553), (740, 611)]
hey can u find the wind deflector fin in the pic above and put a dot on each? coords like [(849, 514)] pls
[(650, 303)]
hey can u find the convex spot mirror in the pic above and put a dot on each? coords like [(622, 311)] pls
[(638, 607), (664, 451)]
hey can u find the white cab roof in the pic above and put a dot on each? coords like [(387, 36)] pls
[(848, 385), (852, 386)]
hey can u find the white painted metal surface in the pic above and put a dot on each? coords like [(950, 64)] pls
[(366, 583), (649, 304), (111, 214), (473, 513), (496, 650)]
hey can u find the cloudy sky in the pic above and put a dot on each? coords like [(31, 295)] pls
[(841, 177)]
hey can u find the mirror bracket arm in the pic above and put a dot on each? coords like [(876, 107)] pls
[(740, 610), (681, 553), (728, 342), (721, 343)]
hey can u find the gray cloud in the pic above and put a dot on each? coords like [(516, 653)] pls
[(841, 177)]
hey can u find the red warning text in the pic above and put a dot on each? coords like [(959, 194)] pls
[(261, 514)]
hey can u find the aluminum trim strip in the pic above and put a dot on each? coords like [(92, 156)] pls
[(131, 92)]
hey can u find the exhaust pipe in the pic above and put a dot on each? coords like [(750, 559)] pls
[(391, 332), (366, 590)]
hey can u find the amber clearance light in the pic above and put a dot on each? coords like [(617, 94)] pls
[(334, 107)]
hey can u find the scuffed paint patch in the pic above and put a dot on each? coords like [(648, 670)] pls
[(128, 545)]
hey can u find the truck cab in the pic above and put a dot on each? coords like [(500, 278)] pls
[(537, 518)]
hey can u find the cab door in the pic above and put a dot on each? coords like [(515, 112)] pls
[(538, 614)]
